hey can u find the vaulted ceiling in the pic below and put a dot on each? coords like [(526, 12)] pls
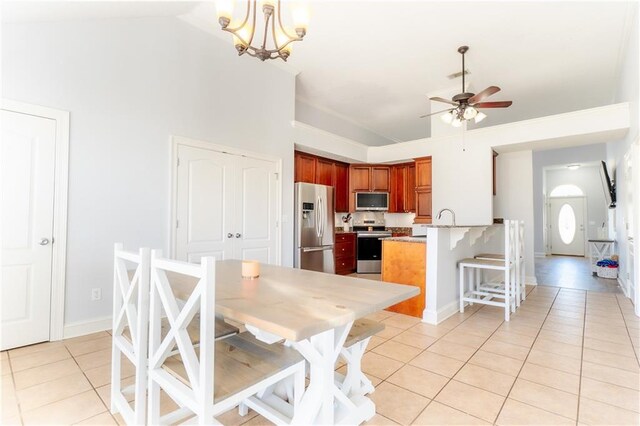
[(375, 62)]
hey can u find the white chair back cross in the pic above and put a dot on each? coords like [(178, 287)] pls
[(130, 326), (197, 397)]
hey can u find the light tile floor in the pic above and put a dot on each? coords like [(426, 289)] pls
[(566, 357)]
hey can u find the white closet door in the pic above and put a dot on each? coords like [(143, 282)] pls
[(205, 204), (27, 170), (256, 210)]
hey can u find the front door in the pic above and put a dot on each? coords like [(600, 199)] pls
[(567, 226), (27, 170)]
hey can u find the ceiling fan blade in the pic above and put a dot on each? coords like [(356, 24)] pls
[(446, 101), (434, 113), (496, 104), (484, 94)]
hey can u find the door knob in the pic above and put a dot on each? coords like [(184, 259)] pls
[(238, 235), (229, 235), (44, 241)]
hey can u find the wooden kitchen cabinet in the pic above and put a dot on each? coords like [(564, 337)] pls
[(403, 187), (368, 178), (345, 253), (423, 190), (324, 171), (380, 178), (305, 168), (341, 185), (360, 178), (410, 190)]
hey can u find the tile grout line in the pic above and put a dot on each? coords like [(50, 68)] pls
[(584, 329), (525, 361), (633, 348)]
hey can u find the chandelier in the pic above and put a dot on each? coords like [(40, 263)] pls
[(263, 40)]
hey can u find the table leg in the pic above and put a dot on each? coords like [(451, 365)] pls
[(324, 402)]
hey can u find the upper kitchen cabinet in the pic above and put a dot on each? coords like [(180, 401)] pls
[(341, 185), (380, 178), (305, 168), (423, 190), (323, 171), (367, 178), (423, 173), (360, 178), (403, 187)]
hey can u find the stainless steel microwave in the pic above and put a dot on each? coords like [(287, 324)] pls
[(372, 201)]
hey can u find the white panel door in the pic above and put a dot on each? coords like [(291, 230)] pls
[(205, 204), (27, 169), (567, 226), (256, 210)]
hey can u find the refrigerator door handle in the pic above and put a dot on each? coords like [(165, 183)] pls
[(312, 249), (321, 218), (318, 217)]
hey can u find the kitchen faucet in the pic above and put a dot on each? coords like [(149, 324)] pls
[(453, 215)]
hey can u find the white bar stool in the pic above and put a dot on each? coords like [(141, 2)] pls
[(485, 293)]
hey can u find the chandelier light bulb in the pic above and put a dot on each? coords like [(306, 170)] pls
[(480, 116), (300, 15), (224, 10), (470, 112), (447, 117)]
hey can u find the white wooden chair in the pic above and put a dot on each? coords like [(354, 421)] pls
[(130, 328), (355, 382), (222, 374), (485, 293), (130, 331), (521, 290)]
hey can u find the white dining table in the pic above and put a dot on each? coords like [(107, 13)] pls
[(313, 313)]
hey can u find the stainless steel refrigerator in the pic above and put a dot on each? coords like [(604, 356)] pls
[(314, 227)]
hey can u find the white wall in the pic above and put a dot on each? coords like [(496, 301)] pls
[(628, 90), (341, 126), (556, 157), (588, 179), (514, 199), (130, 84)]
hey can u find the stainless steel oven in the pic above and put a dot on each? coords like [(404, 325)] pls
[(369, 248)]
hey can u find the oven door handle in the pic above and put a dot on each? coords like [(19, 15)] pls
[(374, 236)]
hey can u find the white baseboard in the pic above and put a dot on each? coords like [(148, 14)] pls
[(82, 328), (540, 254), (436, 317), (530, 280), (623, 287)]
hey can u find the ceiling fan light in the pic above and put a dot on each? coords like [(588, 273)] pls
[(456, 122), (447, 117), (469, 113), (480, 116)]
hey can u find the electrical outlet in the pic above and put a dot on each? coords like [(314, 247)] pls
[(96, 294)]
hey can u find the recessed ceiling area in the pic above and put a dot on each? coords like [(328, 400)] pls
[(373, 64)]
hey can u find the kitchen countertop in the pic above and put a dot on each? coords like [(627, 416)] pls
[(421, 240)]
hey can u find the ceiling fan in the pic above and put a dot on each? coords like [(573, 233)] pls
[(465, 104)]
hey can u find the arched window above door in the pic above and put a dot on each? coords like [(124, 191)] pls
[(567, 190)]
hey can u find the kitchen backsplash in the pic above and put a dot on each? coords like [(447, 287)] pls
[(392, 220)]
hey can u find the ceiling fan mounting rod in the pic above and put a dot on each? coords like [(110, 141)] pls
[(463, 50)]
